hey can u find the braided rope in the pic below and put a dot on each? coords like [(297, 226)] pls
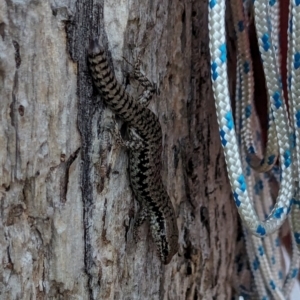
[(228, 136), (260, 251), (263, 256), (294, 70), (264, 253), (244, 63)]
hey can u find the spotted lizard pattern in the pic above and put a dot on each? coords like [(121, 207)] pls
[(145, 147)]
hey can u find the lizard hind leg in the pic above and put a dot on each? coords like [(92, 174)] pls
[(133, 143), (116, 134), (142, 215)]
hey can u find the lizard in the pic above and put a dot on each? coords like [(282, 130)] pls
[(145, 148)]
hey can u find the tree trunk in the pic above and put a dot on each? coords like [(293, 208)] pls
[(67, 208)]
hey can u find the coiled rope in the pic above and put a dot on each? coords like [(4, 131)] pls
[(241, 142)]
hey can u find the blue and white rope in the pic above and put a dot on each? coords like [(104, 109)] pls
[(228, 136), (244, 63), (264, 253), (294, 93)]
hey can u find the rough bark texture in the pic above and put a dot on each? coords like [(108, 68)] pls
[(67, 208)]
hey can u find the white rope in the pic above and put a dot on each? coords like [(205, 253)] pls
[(228, 136), (263, 253), (247, 87), (294, 93), (251, 190)]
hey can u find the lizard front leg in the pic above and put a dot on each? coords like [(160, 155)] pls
[(147, 94)]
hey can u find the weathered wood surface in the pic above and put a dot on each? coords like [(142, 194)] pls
[(66, 205)]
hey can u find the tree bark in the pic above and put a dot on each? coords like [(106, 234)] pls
[(67, 208)]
